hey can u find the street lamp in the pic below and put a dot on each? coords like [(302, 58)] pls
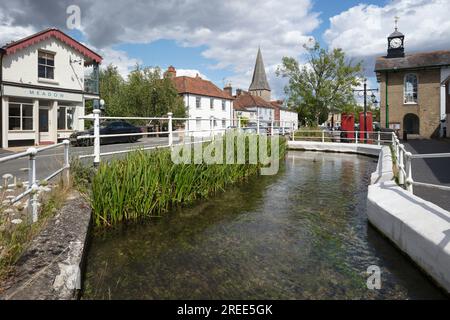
[(374, 100)]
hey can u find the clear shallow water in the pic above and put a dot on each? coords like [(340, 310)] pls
[(302, 234)]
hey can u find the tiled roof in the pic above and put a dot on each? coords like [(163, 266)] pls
[(248, 101), (15, 46), (199, 86), (414, 61)]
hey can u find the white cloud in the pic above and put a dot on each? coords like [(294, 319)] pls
[(191, 73), (9, 32), (362, 30), (120, 59)]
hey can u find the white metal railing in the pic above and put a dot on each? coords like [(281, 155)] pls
[(404, 164), (357, 137), (260, 126), (32, 185)]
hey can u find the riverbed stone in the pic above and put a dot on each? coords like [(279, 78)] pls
[(50, 269)]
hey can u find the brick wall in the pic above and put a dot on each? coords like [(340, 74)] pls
[(427, 108)]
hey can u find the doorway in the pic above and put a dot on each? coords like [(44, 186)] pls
[(411, 124), (44, 133)]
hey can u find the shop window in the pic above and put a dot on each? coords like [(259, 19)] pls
[(46, 65), (65, 118), (20, 116)]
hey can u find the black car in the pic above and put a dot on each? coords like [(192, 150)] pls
[(107, 128)]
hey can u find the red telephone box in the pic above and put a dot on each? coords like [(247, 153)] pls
[(348, 125), (369, 121)]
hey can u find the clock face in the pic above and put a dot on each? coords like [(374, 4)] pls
[(396, 43)]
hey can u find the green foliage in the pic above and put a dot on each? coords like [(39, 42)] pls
[(147, 184), (144, 94), (324, 84)]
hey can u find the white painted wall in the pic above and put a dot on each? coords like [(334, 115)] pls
[(288, 117), (206, 112), (22, 66)]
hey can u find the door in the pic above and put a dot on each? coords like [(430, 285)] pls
[(411, 124), (44, 134)]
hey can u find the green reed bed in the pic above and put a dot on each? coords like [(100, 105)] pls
[(147, 184)]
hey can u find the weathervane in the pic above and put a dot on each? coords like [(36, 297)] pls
[(396, 22)]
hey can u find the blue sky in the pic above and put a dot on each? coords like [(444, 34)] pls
[(219, 39)]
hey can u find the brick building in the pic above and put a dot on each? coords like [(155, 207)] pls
[(414, 89)]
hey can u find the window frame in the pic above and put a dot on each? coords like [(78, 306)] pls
[(21, 116), (415, 90), (198, 102), (48, 56), (224, 105), (65, 118), (211, 103)]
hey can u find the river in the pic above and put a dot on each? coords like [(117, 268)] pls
[(302, 234)]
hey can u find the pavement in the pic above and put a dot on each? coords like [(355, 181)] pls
[(51, 160), (434, 171)]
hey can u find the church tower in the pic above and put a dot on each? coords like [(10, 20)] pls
[(260, 86)]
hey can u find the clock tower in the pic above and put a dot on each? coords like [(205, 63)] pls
[(396, 43)]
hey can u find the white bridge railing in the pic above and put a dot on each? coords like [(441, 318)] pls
[(404, 164), (32, 185)]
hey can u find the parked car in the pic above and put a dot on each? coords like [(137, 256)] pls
[(111, 128)]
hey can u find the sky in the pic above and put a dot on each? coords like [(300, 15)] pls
[(219, 39)]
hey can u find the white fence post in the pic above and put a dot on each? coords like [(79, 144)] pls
[(257, 125), (409, 178), (271, 128), (66, 174), (379, 138), (239, 122), (96, 137), (401, 167), (170, 129), (283, 129), (323, 136), (32, 202), (211, 127), (356, 137)]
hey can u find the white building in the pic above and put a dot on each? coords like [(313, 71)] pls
[(207, 106), (44, 88), (261, 109), (288, 118)]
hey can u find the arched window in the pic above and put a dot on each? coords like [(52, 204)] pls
[(411, 88)]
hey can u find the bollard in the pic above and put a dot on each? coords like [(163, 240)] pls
[(96, 137), (170, 114)]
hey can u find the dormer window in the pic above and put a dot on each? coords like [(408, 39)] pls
[(46, 65), (410, 94)]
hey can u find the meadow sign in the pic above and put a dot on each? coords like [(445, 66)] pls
[(39, 93)]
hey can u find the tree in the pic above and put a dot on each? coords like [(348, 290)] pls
[(324, 83), (144, 94)]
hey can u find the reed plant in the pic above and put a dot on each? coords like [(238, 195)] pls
[(147, 184)]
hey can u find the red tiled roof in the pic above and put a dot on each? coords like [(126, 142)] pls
[(248, 101), (15, 46), (199, 86)]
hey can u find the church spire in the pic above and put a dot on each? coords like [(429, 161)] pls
[(260, 85)]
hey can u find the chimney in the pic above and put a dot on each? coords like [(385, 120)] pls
[(170, 73), (228, 89), (238, 92)]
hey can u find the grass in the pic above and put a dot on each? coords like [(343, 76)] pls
[(14, 238), (148, 184)]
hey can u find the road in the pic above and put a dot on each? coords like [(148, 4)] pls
[(49, 161), (435, 171)]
